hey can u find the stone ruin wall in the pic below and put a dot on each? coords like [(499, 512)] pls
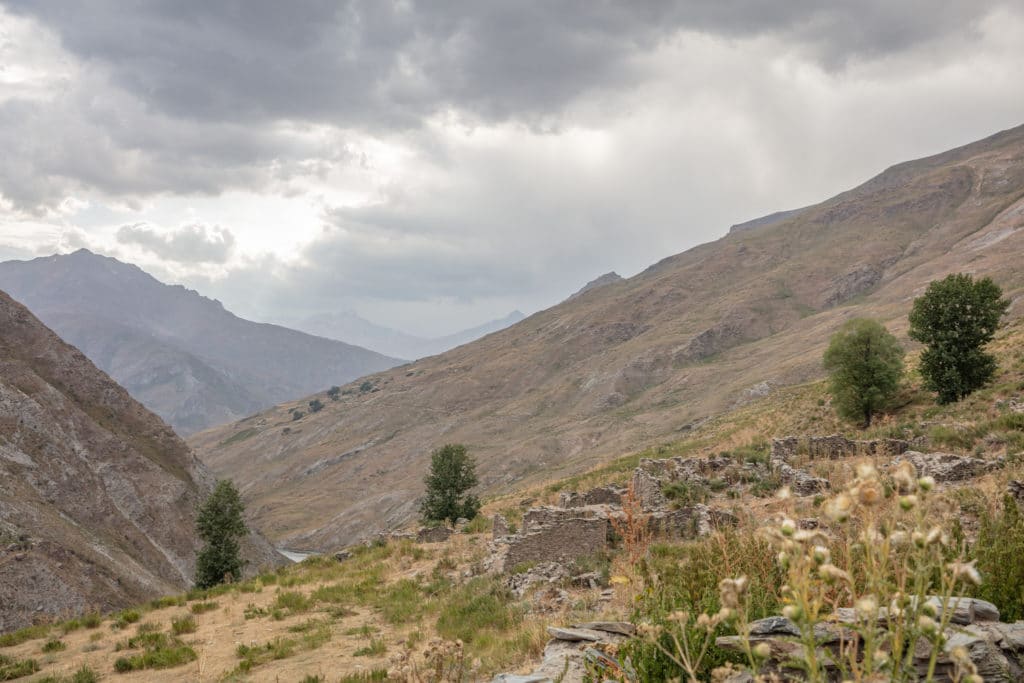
[(567, 540), (835, 446)]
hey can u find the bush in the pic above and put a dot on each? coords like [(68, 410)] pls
[(54, 645), (333, 393), (186, 624), (316, 405), (202, 607), (376, 648), (24, 634)]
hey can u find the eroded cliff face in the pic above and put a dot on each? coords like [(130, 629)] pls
[(97, 495)]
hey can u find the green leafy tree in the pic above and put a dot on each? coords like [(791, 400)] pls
[(220, 525), (865, 363), (954, 319), (452, 474)]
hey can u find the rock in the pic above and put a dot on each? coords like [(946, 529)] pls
[(499, 526), (342, 555), (800, 482), (770, 626), (948, 466), (575, 634), (621, 627), (587, 580), (1016, 489), (436, 534), (967, 610)]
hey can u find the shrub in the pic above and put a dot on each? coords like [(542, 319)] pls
[(92, 620), (293, 601), (84, 675), (54, 645), (202, 607), (125, 617), (166, 657), (186, 624), (334, 393), (316, 405)]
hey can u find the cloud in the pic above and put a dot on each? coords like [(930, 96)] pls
[(406, 157), (187, 244)]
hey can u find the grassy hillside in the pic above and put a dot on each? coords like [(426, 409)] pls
[(633, 363)]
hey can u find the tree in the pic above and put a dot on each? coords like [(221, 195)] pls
[(220, 525), (865, 363), (452, 474), (954, 319)]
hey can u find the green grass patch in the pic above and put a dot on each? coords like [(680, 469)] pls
[(172, 655), (11, 668), (239, 436), (202, 607), (23, 635), (376, 648), (481, 606), (54, 645)]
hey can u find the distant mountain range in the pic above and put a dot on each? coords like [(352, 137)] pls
[(348, 326), (180, 354), (98, 497), (631, 363)]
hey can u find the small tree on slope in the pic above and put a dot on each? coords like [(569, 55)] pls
[(220, 525), (954, 319), (452, 474), (865, 363)]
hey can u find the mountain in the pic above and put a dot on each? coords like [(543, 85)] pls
[(636, 363), (98, 496), (606, 279), (180, 354), (348, 326)]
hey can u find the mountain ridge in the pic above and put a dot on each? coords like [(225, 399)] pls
[(351, 328), (630, 365), (184, 355), (100, 494)]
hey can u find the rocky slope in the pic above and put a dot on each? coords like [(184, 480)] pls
[(634, 362), (97, 495), (182, 355)]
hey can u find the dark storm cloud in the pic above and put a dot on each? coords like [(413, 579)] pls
[(377, 64), (187, 244)]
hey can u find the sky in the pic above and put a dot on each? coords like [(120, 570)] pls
[(433, 165)]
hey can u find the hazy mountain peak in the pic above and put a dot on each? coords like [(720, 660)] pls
[(181, 354)]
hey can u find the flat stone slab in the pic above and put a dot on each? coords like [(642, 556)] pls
[(773, 626), (575, 634), (620, 627)]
